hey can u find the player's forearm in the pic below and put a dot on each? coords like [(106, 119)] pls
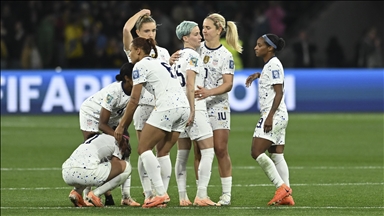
[(127, 36), (190, 88), (128, 114), (223, 88), (276, 102), (106, 129), (190, 91)]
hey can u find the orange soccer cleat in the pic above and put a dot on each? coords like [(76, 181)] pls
[(95, 200), (281, 192), (77, 199), (156, 201), (185, 202), (204, 202), (287, 201), (130, 202)]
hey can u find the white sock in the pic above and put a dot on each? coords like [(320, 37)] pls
[(166, 170), (269, 169), (126, 186), (113, 183), (281, 166), (145, 181), (86, 191), (181, 172), (152, 166), (226, 184), (204, 172)]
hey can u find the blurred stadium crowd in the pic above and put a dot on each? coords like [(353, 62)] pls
[(88, 34)]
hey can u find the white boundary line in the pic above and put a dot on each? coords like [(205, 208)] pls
[(235, 185), (235, 167), (226, 207)]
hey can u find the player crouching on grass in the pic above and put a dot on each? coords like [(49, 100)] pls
[(86, 167)]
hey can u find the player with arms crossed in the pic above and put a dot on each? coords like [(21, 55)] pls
[(270, 129), (102, 112), (166, 121), (146, 27), (190, 70), (85, 167)]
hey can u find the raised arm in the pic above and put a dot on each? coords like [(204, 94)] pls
[(127, 36)]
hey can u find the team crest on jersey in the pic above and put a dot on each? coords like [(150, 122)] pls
[(109, 98), (135, 74), (215, 61), (193, 61), (231, 64), (206, 59), (275, 74), (89, 122)]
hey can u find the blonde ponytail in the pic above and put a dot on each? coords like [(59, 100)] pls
[(232, 37)]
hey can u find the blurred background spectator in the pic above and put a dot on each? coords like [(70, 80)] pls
[(335, 53), (304, 50), (87, 34), (370, 50)]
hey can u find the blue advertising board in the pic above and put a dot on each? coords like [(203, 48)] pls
[(306, 90)]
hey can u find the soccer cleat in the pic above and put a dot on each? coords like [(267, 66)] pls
[(287, 201), (161, 206), (156, 201), (185, 202), (88, 204), (167, 198), (129, 202), (204, 202), (76, 199), (225, 200), (281, 192), (95, 200)]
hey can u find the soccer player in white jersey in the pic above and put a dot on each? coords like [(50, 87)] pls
[(270, 129), (189, 68), (219, 67), (169, 117), (86, 167), (146, 27), (102, 112)]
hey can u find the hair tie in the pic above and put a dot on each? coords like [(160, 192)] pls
[(269, 41), (126, 137)]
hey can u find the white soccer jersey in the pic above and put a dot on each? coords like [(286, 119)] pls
[(90, 153), (217, 62), (159, 79), (272, 73), (190, 60), (112, 97), (162, 54)]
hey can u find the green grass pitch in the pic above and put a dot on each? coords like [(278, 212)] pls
[(335, 160)]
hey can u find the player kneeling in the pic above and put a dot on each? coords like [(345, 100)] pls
[(86, 167)]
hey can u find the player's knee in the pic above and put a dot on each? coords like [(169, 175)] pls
[(255, 152), (254, 155), (221, 151)]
